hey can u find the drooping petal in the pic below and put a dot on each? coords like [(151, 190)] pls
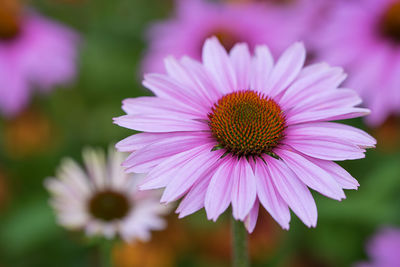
[(293, 191), (251, 219), (243, 190), (195, 198), (219, 192), (342, 177), (190, 172), (310, 174), (160, 175), (269, 195)]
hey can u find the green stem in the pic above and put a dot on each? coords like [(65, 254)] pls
[(106, 253), (239, 244)]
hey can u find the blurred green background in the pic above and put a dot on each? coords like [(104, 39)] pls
[(70, 118)]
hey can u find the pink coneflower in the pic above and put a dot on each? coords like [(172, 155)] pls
[(103, 200), (245, 130), (364, 37), (293, 8), (196, 20), (34, 53), (384, 249)]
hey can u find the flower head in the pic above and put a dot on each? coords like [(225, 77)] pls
[(384, 249), (103, 200), (364, 37), (34, 53), (242, 130), (197, 20)]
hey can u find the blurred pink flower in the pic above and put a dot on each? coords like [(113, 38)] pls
[(40, 55), (196, 20), (384, 249), (364, 37), (243, 130), (103, 200)]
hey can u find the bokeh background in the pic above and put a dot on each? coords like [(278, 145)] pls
[(61, 123)]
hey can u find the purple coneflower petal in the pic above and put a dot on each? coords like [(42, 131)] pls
[(293, 191), (189, 172), (144, 159), (311, 175), (327, 149), (314, 78), (216, 60), (166, 87), (262, 66), (251, 219), (219, 192), (342, 177), (241, 62), (195, 198), (329, 131), (287, 68), (269, 196), (244, 189)]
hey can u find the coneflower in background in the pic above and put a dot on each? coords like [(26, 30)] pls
[(103, 200), (364, 37), (197, 20), (35, 54), (383, 249)]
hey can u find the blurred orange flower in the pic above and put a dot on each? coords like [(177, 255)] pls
[(161, 251), (4, 192), (262, 242), (388, 135), (29, 133), (210, 244), (10, 11), (261, 1)]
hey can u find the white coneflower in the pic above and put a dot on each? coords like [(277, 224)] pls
[(103, 200)]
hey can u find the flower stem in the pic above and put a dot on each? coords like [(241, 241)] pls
[(106, 253), (239, 244)]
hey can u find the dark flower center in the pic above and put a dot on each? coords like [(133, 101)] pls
[(390, 23), (277, 2), (9, 19), (246, 123), (109, 205), (227, 38)]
